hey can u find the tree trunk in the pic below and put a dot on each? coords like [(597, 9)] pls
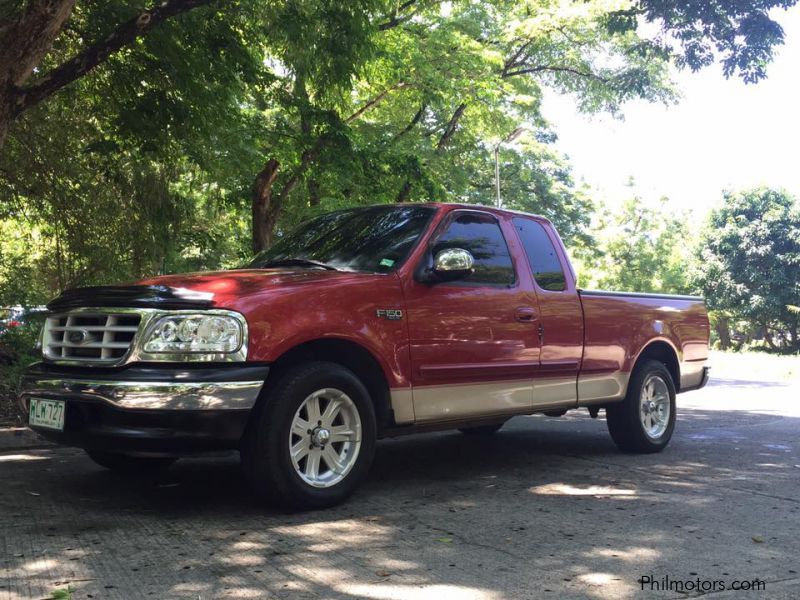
[(314, 193), (724, 333), (27, 38), (402, 195), (263, 208), (768, 339), (5, 118)]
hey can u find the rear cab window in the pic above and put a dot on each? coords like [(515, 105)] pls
[(542, 256)]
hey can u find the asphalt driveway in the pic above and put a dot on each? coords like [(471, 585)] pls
[(546, 508)]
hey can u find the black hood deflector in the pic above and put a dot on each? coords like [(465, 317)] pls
[(132, 296)]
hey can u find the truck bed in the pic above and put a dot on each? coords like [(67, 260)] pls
[(617, 325)]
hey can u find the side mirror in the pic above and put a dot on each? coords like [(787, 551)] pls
[(452, 264)]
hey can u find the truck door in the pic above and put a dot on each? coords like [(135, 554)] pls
[(561, 316), (474, 342)]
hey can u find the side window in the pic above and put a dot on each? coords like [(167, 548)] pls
[(481, 235), (541, 254)]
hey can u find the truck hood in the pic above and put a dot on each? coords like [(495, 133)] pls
[(229, 289), (210, 289)]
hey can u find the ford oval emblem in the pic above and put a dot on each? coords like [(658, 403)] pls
[(78, 336)]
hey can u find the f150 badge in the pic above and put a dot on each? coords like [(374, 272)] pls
[(390, 314)]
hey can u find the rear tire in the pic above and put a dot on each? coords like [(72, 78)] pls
[(131, 465), (482, 429), (644, 421), (311, 440)]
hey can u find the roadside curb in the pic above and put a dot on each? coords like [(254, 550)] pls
[(19, 438)]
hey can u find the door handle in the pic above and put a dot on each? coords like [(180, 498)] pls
[(526, 314)]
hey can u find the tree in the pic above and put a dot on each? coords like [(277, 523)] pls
[(442, 83), (123, 184), (749, 263), (742, 33), (168, 142), (30, 29), (429, 101), (641, 249)]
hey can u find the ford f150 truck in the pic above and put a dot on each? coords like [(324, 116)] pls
[(361, 324)]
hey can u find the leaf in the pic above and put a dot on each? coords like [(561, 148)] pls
[(758, 539), (444, 540), (62, 593)]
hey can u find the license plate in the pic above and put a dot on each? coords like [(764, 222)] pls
[(47, 413)]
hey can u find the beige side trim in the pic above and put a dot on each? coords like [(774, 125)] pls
[(692, 373), (434, 403), (559, 391), (402, 405), (605, 386), (456, 401)]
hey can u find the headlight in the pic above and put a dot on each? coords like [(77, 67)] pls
[(209, 333)]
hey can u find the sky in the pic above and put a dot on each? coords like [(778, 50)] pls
[(723, 134)]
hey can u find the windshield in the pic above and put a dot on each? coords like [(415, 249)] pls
[(375, 239)]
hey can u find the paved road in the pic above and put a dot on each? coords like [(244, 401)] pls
[(547, 508)]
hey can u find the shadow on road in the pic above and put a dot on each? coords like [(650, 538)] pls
[(546, 504)]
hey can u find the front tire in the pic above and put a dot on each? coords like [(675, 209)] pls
[(131, 465), (645, 420), (312, 439)]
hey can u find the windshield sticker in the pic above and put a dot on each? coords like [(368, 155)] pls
[(386, 262)]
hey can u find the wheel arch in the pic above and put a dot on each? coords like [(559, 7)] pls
[(349, 354), (665, 353)]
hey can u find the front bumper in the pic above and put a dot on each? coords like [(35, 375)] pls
[(148, 409)]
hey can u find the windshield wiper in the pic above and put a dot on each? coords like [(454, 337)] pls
[(290, 262)]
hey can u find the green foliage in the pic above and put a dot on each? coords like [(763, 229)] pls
[(742, 35), (140, 168), (640, 249), (17, 351), (439, 91), (146, 164), (749, 263), (62, 593)]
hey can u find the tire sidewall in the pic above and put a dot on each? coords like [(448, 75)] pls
[(276, 421), (634, 399)]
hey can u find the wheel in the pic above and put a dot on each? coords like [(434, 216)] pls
[(123, 463), (645, 420), (482, 429), (312, 440)]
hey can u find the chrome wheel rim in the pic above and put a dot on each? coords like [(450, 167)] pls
[(325, 437), (654, 406)]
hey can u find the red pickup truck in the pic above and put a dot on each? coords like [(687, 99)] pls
[(361, 324)]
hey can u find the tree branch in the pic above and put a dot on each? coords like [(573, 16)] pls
[(99, 52), (397, 19), (514, 58), (448, 133), (556, 69), (452, 124), (415, 119), (368, 105)]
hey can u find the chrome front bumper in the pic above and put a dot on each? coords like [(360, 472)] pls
[(166, 410), (225, 387), (150, 395)]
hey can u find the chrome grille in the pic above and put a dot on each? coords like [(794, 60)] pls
[(89, 337)]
